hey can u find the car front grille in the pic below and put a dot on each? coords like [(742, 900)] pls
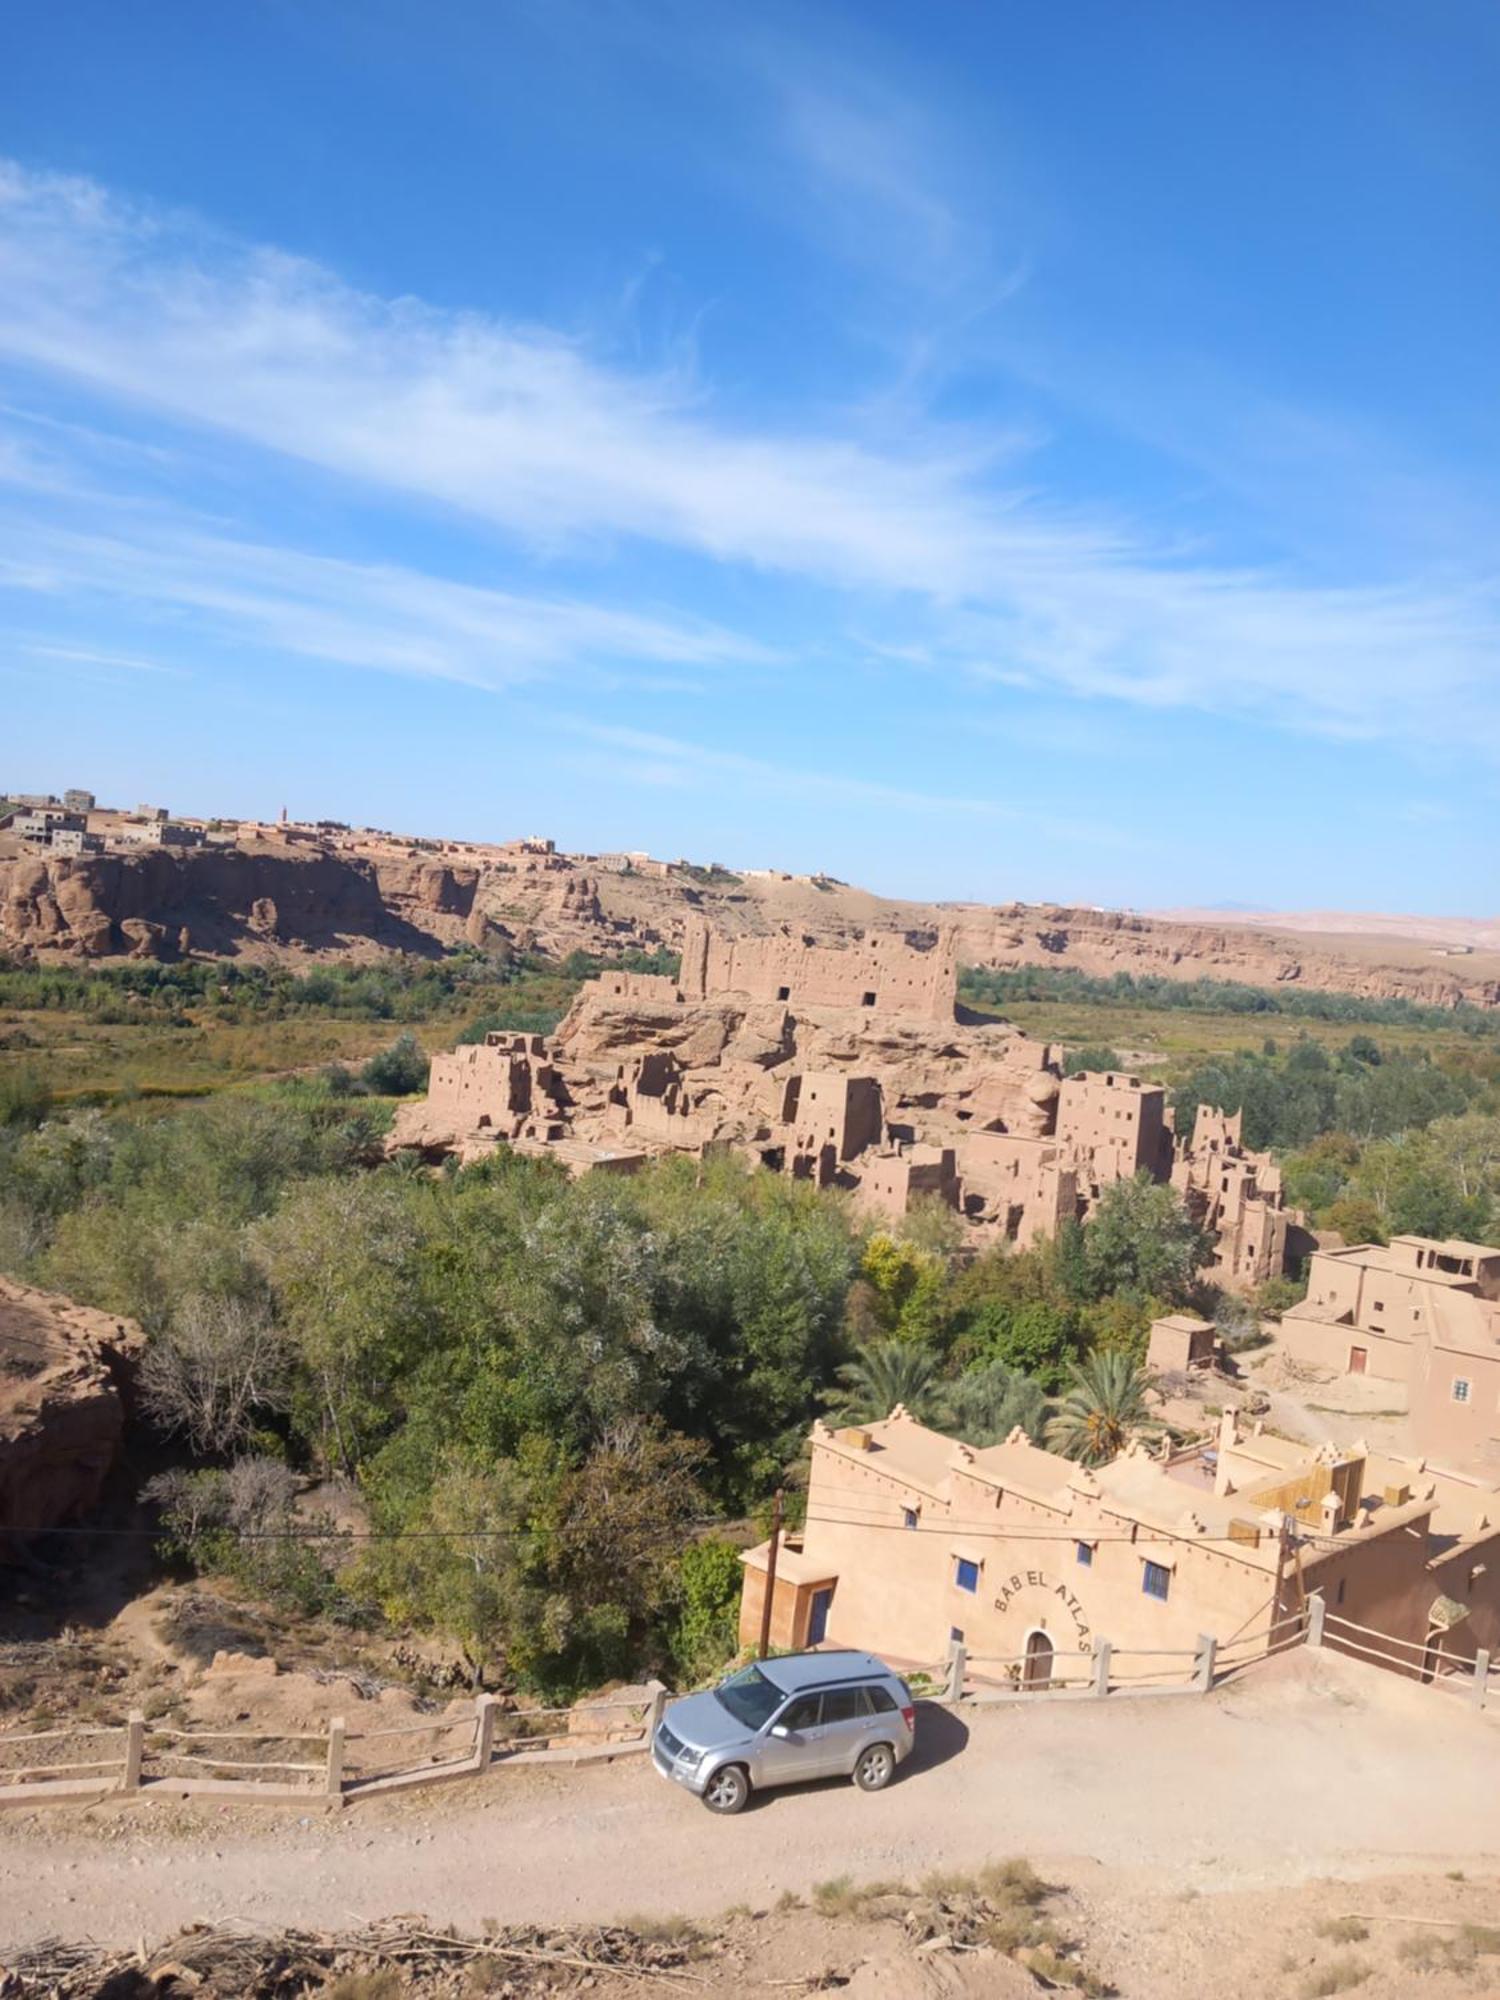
[(670, 1744)]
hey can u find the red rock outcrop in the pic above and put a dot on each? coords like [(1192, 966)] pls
[(62, 1412), (295, 895)]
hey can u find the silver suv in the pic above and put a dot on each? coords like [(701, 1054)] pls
[(810, 1715)]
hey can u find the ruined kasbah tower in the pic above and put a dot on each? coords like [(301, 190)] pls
[(845, 1065), (883, 972)]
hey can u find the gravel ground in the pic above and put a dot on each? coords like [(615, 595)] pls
[(1313, 1767)]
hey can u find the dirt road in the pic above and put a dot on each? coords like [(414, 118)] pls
[(1319, 1766)]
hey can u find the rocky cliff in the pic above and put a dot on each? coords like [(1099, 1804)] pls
[(62, 1411), (294, 898), (229, 901)]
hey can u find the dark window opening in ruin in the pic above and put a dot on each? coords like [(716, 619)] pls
[(774, 1157), (783, 993), (868, 1000)]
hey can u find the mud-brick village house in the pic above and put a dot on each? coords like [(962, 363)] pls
[(914, 1541)]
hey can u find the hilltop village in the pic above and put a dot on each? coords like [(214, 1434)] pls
[(846, 1066)]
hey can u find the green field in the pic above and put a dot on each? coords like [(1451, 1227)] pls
[(97, 1044)]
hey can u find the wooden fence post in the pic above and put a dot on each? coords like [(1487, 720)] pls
[(334, 1781), (1317, 1612), (958, 1667), (135, 1750), (486, 1709), (1102, 1650), (1481, 1677), (1203, 1666), (657, 1709)]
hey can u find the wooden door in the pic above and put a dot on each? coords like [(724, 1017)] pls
[(1037, 1672)]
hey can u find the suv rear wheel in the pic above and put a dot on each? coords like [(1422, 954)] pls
[(875, 1768), (727, 1790)]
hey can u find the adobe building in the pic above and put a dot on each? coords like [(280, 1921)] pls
[(500, 1086), (1419, 1312), (1179, 1342), (892, 1179), (844, 1065), (1115, 1126), (914, 1540), (1237, 1194), (879, 972)]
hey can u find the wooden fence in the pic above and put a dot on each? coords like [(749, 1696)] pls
[(1106, 1670), (338, 1764), (331, 1766)]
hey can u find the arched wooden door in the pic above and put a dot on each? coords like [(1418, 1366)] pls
[(1037, 1672)]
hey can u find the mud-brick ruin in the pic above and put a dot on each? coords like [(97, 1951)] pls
[(844, 1065)]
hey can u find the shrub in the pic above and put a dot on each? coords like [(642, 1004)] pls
[(1340, 1975), (399, 1071)]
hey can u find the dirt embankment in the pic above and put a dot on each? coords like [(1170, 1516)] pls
[(298, 897), (62, 1412)]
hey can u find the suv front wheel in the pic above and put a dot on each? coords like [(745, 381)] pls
[(727, 1790), (875, 1768)]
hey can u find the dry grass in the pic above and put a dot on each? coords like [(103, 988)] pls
[(1340, 1975), (1454, 1951), (1344, 1930), (1001, 1905), (384, 1984)]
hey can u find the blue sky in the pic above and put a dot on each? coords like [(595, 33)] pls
[(980, 450)]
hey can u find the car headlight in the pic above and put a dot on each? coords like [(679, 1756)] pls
[(689, 1758)]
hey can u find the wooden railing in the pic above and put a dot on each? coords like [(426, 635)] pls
[(339, 1764), (334, 1764)]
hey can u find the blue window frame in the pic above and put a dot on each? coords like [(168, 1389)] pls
[(1156, 1581), (1085, 1553), (966, 1576), (908, 1517)]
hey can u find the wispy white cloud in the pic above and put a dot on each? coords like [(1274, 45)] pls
[(381, 616), (536, 436), (659, 760), (86, 656)]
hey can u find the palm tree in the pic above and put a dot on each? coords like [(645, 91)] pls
[(1103, 1407), (986, 1404), (884, 1373)]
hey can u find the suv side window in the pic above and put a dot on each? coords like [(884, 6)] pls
[(878, 1701), (842, 1704), (802, 1714)]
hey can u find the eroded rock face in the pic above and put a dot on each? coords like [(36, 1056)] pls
[(62, 1410), (271, 898)]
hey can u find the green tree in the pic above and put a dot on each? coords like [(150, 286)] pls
[(466, 1567), (705, 1628), (1104, 1408), (987, 1403), (886, 1373), (908, 1286), (1357, 1219), (1140, 1240), (1036, 1337), (399, 1071)]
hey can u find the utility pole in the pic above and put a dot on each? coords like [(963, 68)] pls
[(765, 1609), (1283, 1549)]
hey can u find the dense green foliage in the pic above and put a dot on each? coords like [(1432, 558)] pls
[(992, 987), (1291, 1097), (549, 1392), (544, 1388), (395, 988)]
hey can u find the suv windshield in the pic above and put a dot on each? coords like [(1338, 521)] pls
[(750, 1698)]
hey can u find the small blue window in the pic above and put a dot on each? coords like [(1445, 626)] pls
[(967, 1577), (955, 1635), (908, 1517), (1156, 1581), (1085, 1553)]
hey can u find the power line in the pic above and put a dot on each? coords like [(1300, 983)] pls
[(315, 1534), (989, 1531)]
